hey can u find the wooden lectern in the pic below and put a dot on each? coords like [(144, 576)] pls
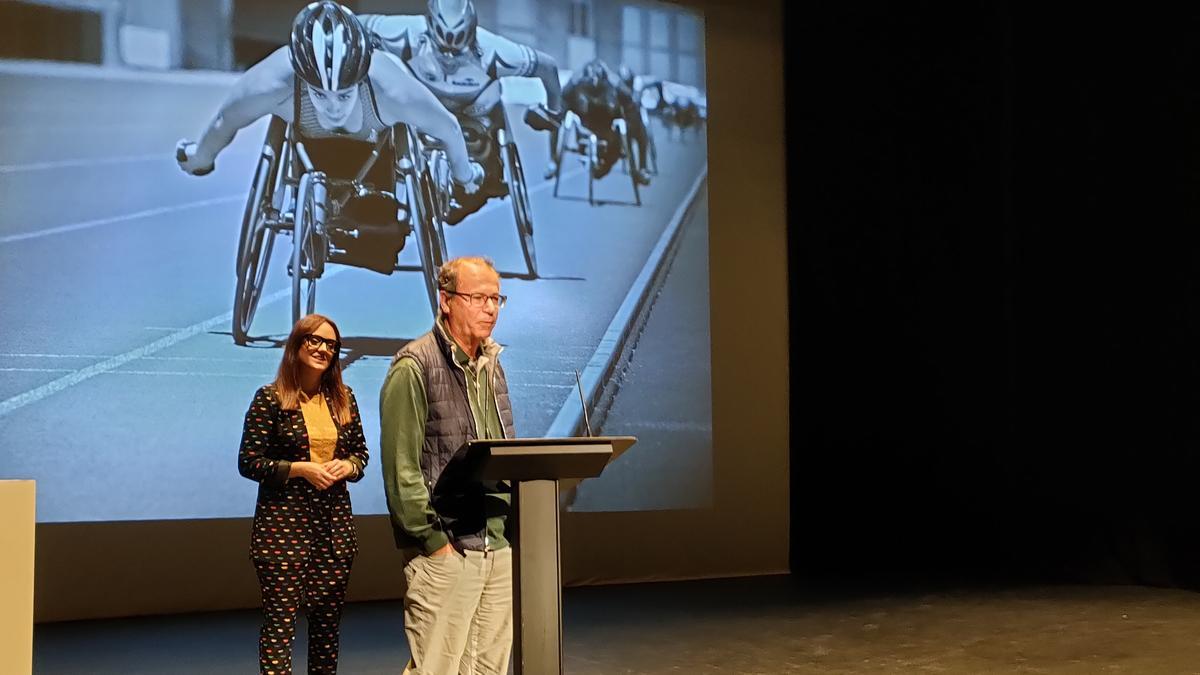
[(534, 467)]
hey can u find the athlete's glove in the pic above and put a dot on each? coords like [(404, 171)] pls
[(541, 118), (185, 154), (472, 184)]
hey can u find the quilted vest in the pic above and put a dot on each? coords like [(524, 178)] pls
[(449, 424)]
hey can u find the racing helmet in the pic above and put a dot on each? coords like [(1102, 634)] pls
[(330, 49), (594, 72), (452, 24)]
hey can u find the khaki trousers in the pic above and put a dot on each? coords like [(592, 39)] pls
[(458, 613)]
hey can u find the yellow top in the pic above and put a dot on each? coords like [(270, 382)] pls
[(322, 432)]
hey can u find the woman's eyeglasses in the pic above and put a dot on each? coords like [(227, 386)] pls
[(315, 341)]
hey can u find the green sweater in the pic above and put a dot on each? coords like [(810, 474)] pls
[(402, 414)]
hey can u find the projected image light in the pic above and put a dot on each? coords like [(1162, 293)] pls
[(146, 304)]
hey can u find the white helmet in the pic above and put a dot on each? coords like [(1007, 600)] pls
[(452, 24)]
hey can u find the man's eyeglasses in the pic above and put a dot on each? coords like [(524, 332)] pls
[(478, 299), (315, 342)]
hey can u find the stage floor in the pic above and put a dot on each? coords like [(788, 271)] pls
[(757, 625)]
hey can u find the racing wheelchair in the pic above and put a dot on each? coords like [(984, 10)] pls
[(679, 107), (317, 210), (490, 142), (575, 138)]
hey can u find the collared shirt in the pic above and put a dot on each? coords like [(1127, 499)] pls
[(479, 389)]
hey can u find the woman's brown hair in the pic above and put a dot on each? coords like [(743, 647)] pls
[(287, 380)]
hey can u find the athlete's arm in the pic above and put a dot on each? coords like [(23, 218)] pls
[(628, 103), (397, 33), (513, 59), (261, 90), (402, 99), (576, 99), (547, 72)]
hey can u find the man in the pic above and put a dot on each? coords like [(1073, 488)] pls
[(443, 389), (598, 99)]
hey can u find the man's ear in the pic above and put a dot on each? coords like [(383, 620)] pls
[(444, 302)]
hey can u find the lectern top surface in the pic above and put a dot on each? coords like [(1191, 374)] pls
[(522, 459), (618, 443)]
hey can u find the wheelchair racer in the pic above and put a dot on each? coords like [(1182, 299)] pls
[(595, 95), (687, 114), (630, 81), (462, 63), (341, 93)]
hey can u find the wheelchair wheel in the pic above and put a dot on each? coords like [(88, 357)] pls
[(651, 147), (257, 236), (651, 153), (593, 149), (522, 214), (560, 150), (627, 141), (426, 229), (308, 243), (440, 185)]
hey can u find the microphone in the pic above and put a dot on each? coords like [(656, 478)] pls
[(587, 424)]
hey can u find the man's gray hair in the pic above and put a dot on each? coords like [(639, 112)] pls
[(448, 273)]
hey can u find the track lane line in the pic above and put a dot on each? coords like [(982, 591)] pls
[(100, 222), (83, 374), (73, 163)]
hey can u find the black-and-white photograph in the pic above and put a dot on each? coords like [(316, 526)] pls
[(183, 181)]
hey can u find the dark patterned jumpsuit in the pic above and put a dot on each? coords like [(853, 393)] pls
[(303, 540)]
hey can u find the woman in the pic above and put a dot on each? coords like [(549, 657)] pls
[(302, 441)]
